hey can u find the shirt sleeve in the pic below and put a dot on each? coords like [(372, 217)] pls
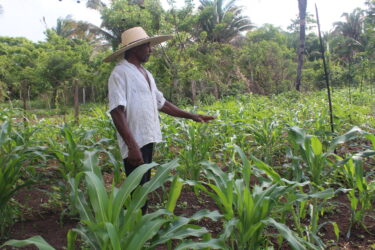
[(116, 91), (160, 100)]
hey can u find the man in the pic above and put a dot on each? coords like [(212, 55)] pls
[(134, 101)]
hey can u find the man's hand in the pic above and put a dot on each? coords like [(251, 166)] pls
[(135, 157), (202, 118)]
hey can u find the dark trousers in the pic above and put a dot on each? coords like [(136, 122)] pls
[(146, 151)]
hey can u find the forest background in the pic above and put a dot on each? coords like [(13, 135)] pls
[(216, 52)]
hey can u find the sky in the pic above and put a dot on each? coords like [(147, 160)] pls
[(29, 18)]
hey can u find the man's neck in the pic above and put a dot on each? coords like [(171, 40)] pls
[(134, 60)]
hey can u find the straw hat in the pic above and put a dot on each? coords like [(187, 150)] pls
[(132, 38)]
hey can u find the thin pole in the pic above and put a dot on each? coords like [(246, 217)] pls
[(325, 72)]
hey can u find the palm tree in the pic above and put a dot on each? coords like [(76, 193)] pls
[(81, 30), (352, 27), (350, 40), (350, 31), (222, 20), (302, 4)]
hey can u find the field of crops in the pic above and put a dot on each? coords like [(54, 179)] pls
[(268, 173)]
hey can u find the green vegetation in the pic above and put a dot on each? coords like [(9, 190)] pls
[(209, 57), (269, 162), (292, 167)]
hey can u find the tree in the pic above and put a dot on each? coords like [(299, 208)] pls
[(302, 5), (222, 20), (18, 57), (267, 61), (123, 14), (352, 26)]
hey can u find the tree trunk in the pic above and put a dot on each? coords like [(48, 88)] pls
[(193, 91), (302, 4), (24, 94), (54, 97), (174, 90), (83, 96), (93, 93), (216, 91), (76, 102)]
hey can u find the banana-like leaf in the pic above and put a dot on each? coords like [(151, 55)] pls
[(38, 241)]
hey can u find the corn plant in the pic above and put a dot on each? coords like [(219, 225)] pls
[(266, 134), (16, 152), (197, 149), (247, 210), (362, 189), (114, 221), (70, 154)]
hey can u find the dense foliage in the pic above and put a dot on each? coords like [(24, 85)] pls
[(216, 52)]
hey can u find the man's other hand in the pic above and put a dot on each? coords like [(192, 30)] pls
[(135, 157)]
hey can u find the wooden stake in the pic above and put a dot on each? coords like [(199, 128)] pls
[(325, 72)]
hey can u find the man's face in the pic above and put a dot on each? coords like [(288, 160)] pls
[(143, 52)]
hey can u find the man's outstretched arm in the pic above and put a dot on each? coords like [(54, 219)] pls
[(173, 110)]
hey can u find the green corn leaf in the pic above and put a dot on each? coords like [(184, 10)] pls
[(130, 183), (88, 239), (353, 133), (209, 244), (140, 195), (215, 173), (246, 165), (179, 229), (267, 169), (293, 240), (38, 241), (371, 137), (144, 233), (297, 136), (174, 193), (98, 196), (79, 199), (71, 238), (325, 194), (316, 145), (113, 235), (90, 163), (213, 215), (336, 229)]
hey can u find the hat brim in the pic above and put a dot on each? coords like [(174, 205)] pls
[(152, 40)]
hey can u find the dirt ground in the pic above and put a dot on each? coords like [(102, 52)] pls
[(41, 219)]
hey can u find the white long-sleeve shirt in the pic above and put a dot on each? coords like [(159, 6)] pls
[(128, 87)]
